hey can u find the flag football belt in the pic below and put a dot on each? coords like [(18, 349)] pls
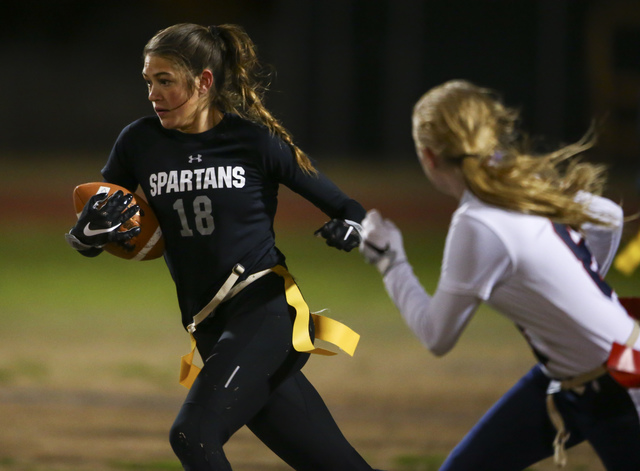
[(326, 329), (621, 357)]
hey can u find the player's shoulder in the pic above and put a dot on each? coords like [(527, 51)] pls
[(146, 126), (473, 207), (603, 208), (475, 213), (233, 123), (257, 137)]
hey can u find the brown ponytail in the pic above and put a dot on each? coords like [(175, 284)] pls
[(240, 80)]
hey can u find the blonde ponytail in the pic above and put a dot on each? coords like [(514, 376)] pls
[(468, 126)]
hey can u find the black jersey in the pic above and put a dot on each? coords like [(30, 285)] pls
[(215, 195)]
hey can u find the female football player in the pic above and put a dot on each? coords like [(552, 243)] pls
[(210, 162), (531, 239)]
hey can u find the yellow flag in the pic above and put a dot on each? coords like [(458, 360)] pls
[(326, 329), (629, 258)]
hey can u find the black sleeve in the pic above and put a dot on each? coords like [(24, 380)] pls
[(318, 188), (118, 169)]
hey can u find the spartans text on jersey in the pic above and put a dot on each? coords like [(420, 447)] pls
[(179, 181)]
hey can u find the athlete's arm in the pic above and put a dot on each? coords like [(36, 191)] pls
[(475, 260), (118, 170), (281, 166), (437, 321), (343, 230), (325, 194)]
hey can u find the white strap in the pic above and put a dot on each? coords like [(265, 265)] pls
[(577, 384), (218, 298), (243, 284), (631, 341), (581, 380), (228, 290), (559, 453)]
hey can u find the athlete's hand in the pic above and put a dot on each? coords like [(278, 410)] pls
[(382, 244), (100, 219), (341, 234)]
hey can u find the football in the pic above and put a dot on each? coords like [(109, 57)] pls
[(149, 244)]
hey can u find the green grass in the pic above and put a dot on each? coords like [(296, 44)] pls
[(44, 282), (54, 296), (419, 463), (72, 322), (172, 465)]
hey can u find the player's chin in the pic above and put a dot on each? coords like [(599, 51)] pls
[(167, 119), (167, 123)]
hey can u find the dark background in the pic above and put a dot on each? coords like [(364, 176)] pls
[(348, 71), (348, 74)]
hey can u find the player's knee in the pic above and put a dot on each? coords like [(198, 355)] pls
[(183, 439), (189, 444)]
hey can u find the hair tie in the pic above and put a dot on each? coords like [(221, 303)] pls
[(496, 158), (214, 31)]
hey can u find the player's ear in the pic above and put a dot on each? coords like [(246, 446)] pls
[(428, 158), (206, 81)]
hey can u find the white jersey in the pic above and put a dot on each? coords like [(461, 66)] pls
[(543, 276)]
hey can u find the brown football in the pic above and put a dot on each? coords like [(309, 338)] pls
[(149, 244)]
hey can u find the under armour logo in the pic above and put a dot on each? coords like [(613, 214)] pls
[(197, 158)]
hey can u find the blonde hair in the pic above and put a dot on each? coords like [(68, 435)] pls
[(470, 127), (239, 79)]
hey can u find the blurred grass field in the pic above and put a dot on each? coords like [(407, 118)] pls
[(89, 349)]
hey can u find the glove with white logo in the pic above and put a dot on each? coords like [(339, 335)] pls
[(382, 244), (341, 234), (100, 219)]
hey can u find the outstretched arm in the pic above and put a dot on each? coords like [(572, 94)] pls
[(343, 230), (438, 320)]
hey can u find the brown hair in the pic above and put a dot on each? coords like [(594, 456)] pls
[(470, 127), (239, 78)]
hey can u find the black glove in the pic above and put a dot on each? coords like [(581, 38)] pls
[(341, 234), (100, 219)]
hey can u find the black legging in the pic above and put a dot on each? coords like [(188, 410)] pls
[(251, 376)]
